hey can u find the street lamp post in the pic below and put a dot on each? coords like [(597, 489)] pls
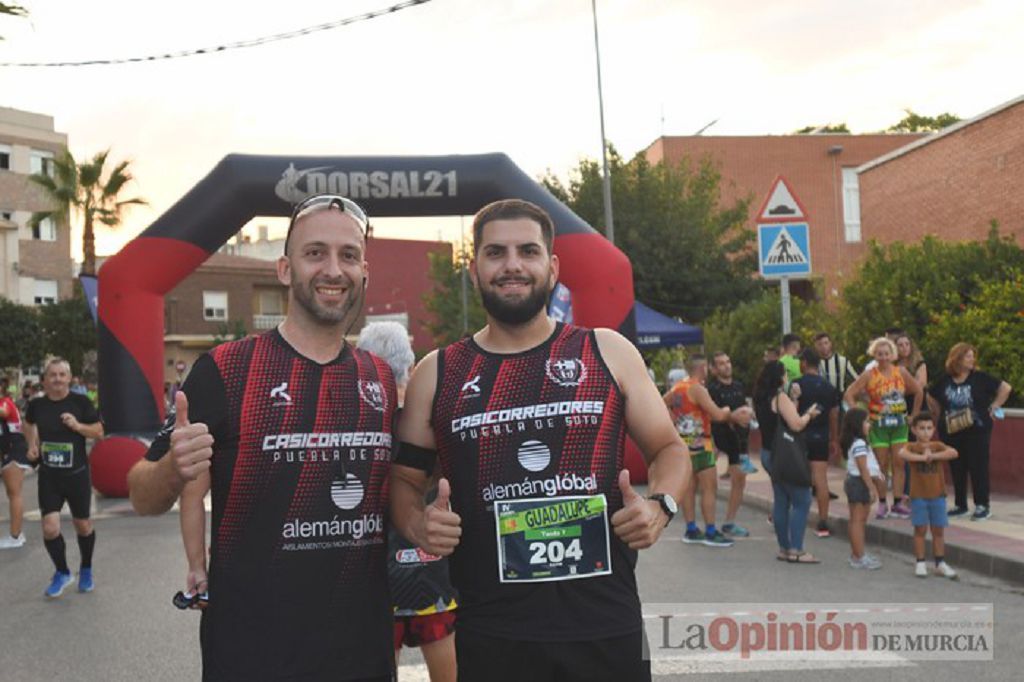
[(606, 180)]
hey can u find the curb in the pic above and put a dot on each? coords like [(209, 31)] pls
[(1010, 569)]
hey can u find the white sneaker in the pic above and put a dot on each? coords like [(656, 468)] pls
[(921, 570), (866, 562), (11, 542), (946, 571)]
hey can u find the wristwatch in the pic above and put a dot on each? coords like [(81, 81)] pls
[(668, 505)]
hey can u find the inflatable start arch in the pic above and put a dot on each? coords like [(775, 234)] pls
[(132, 283)]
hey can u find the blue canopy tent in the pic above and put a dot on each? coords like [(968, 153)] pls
[(654, 330)]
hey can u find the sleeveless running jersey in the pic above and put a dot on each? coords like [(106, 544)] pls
[(692, 422), (11, 437), (544, 423), (885, 393), (297, 574)]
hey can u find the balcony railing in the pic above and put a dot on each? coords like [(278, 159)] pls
[(266, 321)]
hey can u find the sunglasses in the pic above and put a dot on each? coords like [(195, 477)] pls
[(327, 201), (191, 600)]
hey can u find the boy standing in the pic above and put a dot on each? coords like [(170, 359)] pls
[(928, 493)]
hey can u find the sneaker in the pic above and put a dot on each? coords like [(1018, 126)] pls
[(883, 511), (946, 571), (746, 466), (717, 540), (900, 510), (957, 511), (59, 583), (921, 569), (981, 512), (85, 583), (12, 542), (823, 530), (735, 530), (693, 537), (866, 562)]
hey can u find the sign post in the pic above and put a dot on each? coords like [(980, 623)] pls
[(783, 242)]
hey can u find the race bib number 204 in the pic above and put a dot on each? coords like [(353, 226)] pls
[(544, 539)]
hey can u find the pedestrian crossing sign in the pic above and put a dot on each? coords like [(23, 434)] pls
[(784, 250)]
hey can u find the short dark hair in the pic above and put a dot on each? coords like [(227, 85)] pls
[(511, 209), (822, 335), (789, 338), (922, 416), (810, 356), (717, 354), (693, 360)]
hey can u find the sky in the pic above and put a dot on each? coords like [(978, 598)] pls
[(474, 76)]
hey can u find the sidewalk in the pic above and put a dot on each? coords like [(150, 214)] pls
[(994, 547)]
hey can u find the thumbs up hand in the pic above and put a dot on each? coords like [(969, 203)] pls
[(640, 521), (439, 528), (191, 444)]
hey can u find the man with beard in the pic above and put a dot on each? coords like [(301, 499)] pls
[(527, 419), (291, 431)]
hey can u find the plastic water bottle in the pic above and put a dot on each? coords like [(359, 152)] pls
[(997, 413)]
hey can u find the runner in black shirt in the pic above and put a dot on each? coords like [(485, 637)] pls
[(527, 420), (730, 437), (291, 432), (56, 426)]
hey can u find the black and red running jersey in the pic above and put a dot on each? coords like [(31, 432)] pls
[(297, 574), (544, 423)]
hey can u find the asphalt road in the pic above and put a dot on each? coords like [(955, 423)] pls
[(128, 630)]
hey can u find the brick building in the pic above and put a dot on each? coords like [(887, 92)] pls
[(821, 170), (951, 184), (35, 263), (224, 296)]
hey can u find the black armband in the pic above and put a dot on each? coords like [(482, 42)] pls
[(417, 457)]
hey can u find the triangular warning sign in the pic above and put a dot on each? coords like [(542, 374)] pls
[(782, 205), (785, 250)]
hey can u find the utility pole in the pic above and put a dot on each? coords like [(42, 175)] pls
[(607, 181)]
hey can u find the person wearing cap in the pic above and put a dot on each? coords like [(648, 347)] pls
[(290, 431)]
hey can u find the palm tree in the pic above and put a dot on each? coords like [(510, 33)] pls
[(81, 188)]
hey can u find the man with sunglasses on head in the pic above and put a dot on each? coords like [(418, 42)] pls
[(291, 432), (527, 420)]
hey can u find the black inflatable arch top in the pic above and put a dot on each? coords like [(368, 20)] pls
[(240, 187)]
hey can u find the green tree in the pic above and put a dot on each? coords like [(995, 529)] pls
[(994, 323), (68, 330), (444, 301), (911, 285), (12, 10), (82, 189), (748, 329), (21, 337), (916, 123), (824, 129), (690, 255), (229, 331)]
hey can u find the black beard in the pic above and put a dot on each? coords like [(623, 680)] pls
[(306, 298), (515, 313)]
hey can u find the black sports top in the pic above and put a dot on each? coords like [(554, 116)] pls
[(546, 422), (297, 576)]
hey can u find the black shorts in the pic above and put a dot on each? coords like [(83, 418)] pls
[(817, 449), (56, 489), (482, 658), (14, 452)]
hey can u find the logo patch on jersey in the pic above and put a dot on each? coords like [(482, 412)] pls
[(471, 389), (534, 455), (372, 393), (279, 394), (347, 494), (566, 372)]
